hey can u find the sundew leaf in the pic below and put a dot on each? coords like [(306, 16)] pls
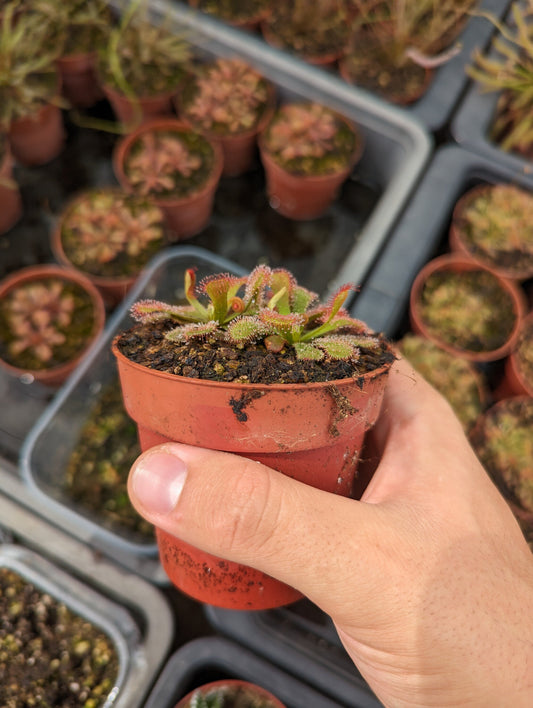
[(338, 347), (246, 329), (304, 350), (194, 330)]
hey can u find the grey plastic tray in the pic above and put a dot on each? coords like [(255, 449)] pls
[(128, 609), (48, 445), (422, 232)]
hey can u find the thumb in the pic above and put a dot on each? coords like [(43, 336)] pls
[(240, 510)]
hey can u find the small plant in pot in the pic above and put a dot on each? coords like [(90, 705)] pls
[(231, 103), (110, 236), (395, 46), (456, 378), (268, 365), (30, 86), (316, 31), (491, 224), (229, 693), (466, 308), (503, 441), (308, 151), (245, 14), (85, 25), (175, 167), (10, 199), (49, 316), (510, 73), (142, 66)]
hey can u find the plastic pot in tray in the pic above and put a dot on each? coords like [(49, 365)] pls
[(50, 459), (301, 639), (340, 246), (213, 659), (125, 615), (422, 232)]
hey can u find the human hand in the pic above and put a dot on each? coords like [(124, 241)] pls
[(428, 578)]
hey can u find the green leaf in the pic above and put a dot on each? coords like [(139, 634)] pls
[(246, 329), (337, 347), (308, 351), (194, 330)]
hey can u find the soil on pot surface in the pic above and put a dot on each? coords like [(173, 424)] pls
[(50, 656), (98, 467), (234, 9), (214, 360)]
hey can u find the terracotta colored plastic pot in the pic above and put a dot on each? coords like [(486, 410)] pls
[(303, 197), (58, 374), (459, 245), (514, 382), (186, 216), (112, 288), (79, 79), (255, 691), (239, 149), (38, 139), (313, 433), (10, 200), (457, 263), (143, 109)]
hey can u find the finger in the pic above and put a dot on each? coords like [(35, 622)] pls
[(240, 510)]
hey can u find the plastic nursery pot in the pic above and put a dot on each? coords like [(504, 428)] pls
[(236, 693), (141, 109), (10, 200), (239, 149), (112, 287), (38, 138), (302, 197), (80, 84), (185, 215), (56, 374), (508, 458), (456, 264), (459, 243), (516, 381), (311, 432)]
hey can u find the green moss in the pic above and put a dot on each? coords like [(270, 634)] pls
[(468, 310)]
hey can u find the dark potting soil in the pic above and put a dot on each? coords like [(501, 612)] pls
[(50, 656), (216, 360), (307, 39), (98, 467), (233, 9)]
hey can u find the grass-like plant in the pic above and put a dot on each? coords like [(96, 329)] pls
[(84, 23), (510, 72), (267, 306)]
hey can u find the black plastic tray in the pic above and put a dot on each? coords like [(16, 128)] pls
[(422, 232), (213, 659)]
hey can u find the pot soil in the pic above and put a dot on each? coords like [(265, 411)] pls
[(50, 656), (244, 14), (455, 378), (325, 409), (188, 202), (110, 236), (66, 303), (230, 693), (10, 200), (466, 309), (97, 470), (503, 441), (491, 225)]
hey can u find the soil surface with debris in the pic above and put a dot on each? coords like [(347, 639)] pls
[(216, 360)]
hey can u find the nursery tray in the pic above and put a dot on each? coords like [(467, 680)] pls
[(49, 444), (422, 233), (129, 610), (472, 124), (214, 659), (435, 108), (301, 639)]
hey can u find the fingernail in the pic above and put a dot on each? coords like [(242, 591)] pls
[(157, 481)]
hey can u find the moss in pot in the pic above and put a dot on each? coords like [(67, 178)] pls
[(253, 366), (457, 379), (50, 656)]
